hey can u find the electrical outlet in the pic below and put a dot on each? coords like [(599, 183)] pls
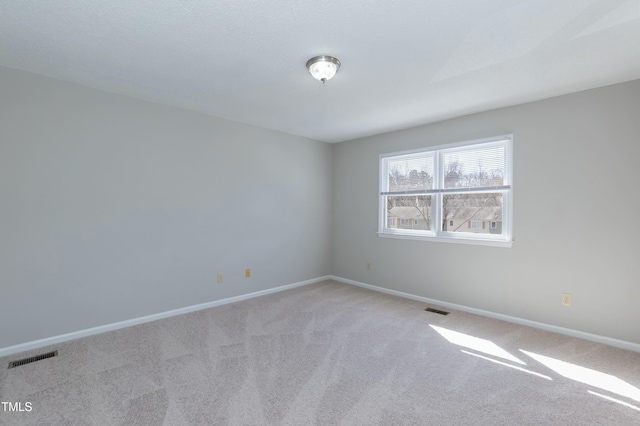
[(368, 266), (566, 299), (220, 278), (247, 273)]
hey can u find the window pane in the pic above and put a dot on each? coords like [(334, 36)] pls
[(411, 173), (457, 192), (476, 213), (409, 212), (469, 168)]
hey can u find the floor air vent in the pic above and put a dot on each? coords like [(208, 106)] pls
[(29, 360), (437, 311)]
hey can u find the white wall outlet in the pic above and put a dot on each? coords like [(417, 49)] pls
[(368, 266), (566, 299), (220, 278)]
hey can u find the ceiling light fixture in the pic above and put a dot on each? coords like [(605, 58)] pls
[(323, 67)]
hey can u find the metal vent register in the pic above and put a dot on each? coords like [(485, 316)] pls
[(29, 360), (437, 311)]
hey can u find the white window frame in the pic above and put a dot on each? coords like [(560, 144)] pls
[(436, 233)]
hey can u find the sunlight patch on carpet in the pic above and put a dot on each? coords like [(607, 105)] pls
[(475, 343), (608, 398), (588, 376), (507, 365)]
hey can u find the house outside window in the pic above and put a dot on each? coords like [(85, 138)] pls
[(458, 192)]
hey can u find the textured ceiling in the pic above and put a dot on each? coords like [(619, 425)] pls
[(404, 63)]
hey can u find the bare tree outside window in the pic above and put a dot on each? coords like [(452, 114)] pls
[(411, 175), (458, 210)]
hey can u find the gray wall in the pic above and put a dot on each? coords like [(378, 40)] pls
[(576, 208), (115, 208)]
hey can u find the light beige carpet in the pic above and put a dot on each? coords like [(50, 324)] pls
[(326, 354)]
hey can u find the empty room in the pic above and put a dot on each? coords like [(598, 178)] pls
[(319, 213)]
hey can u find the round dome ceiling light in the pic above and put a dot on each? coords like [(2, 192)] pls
[(323, 67)]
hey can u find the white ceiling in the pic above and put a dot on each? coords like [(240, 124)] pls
[(404, 63)]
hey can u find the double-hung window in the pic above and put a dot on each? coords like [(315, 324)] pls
[(456, 193)]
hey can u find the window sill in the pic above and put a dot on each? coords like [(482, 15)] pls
[(461, 240)]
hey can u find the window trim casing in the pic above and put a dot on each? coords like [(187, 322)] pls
[(436, 235)]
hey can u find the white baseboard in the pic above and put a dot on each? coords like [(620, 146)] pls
[(135, 321), (547, 327)]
